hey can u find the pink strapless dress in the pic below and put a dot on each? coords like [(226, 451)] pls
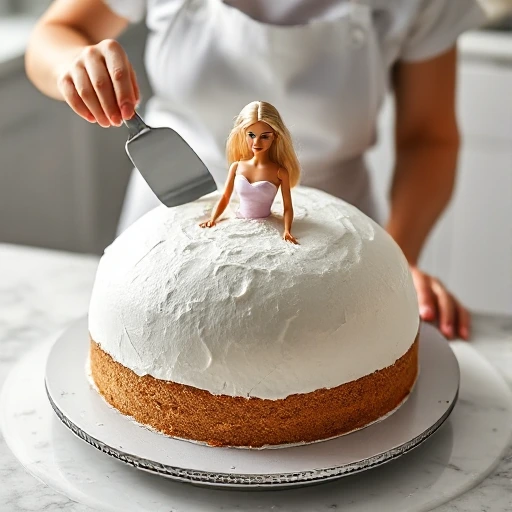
[(255, 198)]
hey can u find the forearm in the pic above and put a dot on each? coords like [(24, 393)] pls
[(288, 219), (219, 208), (422, 186), (51, 48)]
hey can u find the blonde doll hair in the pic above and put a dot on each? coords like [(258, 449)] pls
[(281, 152)]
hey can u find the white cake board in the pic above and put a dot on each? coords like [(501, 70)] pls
[(460, 454), (87, 415)]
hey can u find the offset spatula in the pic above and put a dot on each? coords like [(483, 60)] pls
[(169, 165)]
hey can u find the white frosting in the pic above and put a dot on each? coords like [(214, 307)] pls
[(236, 310)]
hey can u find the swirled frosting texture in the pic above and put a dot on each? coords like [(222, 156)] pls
[(236, 310)]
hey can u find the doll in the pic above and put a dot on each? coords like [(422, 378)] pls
[(261, 160)]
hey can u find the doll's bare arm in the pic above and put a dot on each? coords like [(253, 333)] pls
[(287, 206), (225, 198)]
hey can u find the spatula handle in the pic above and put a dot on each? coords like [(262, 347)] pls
[(135, 125)]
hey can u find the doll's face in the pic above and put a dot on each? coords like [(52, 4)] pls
[(259, 137)]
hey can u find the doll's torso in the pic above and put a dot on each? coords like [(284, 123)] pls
[(255, 198)]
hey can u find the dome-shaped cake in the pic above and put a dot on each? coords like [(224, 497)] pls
[(232, 336)]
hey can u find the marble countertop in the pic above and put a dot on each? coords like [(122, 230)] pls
[(42, 292)]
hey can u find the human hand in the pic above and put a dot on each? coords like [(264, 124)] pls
[(207, 224), (437, 304), (290, 238), (100, 85)]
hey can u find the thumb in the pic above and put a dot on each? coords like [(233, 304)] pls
[(426, 297)]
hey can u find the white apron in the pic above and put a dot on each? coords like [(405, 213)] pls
[(326, 78)]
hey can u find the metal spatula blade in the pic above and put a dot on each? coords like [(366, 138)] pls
[(169, 165)]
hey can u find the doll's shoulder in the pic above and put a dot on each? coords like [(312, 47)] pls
[(282, 173), (233, 168)]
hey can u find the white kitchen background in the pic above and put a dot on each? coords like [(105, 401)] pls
[(25, 7), (62, 180)]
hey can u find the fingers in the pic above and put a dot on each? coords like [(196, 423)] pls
[(436, 303), (463, 321), (122, 79), (426, 297), (207, 224), (101, 84), (73, 99), (446, 309), (290, 238), (86, 91), (135, 86), (454, 319)]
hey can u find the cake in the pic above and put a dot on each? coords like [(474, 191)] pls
[(233, 337)]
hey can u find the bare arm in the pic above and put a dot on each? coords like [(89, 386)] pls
[(225, 198), (287, 206), (72, 56), (427, 144)]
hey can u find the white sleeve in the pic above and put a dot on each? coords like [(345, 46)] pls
[(132, 10), (437, 25)]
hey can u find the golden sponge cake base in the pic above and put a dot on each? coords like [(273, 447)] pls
[(187, 412)]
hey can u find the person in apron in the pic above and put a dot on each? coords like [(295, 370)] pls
[(325, 64)]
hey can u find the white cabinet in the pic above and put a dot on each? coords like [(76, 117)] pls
[(470, 248), (480, 253)]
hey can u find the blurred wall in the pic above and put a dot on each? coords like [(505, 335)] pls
[(62, 179)]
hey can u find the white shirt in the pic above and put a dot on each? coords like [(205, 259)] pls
[(421, 28)]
